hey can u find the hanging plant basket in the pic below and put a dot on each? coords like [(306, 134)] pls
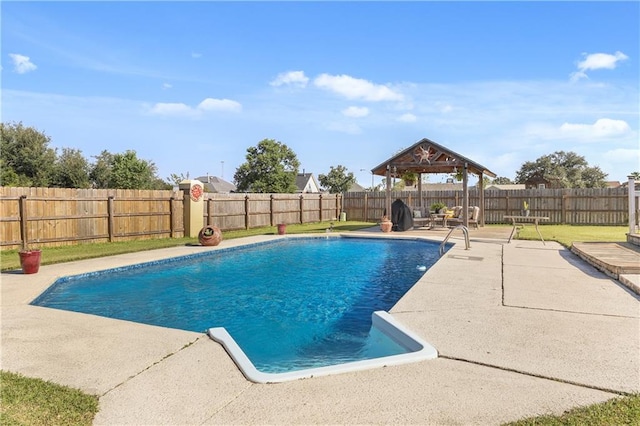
[(210, 236)]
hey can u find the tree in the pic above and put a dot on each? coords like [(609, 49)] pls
[(26, 152), (337, 180), (500, 180), (271, 166), (71, 170), (100, 173), (125, 171), (565, 169), (130, 172)]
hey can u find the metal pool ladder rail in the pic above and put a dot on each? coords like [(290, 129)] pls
[(465, 231)]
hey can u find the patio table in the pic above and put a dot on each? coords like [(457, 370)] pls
[(520, 221)]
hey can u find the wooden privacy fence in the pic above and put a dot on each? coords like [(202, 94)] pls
[(39, 217), (62, 216), (585, 206), (252, 210)]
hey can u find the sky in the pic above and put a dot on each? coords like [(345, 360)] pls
[(190, 86)]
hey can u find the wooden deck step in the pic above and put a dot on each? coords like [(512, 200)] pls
[(614, 259)]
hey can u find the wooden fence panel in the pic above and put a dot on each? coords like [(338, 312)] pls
[(576, 206)]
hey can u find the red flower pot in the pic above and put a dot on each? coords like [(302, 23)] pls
[(282, 228), (30, 261)]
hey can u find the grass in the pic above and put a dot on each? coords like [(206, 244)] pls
[(26, 401), (616, 411), (10, 260), (568, 234)]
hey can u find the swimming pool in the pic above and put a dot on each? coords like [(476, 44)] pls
[(291, 308)]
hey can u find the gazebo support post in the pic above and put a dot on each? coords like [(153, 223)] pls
[(387, 207), (481, 196), (465, 195)]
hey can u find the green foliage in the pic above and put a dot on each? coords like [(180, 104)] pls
[(271, 167), (125, 171), (175, 179), (27, 401), (616, 411), (26, 155), (100, 173), (436, 207), (563, 170), (26, 160), (130, 172), (338, 180), (71, 170), (500, 180)]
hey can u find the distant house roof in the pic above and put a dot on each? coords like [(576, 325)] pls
[(507, 187), (442, 186), (216, 184), (356, 187), (307, 183), (613, 184)]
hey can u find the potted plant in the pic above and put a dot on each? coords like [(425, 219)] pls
[(438, 207), (210, 236), (29, 260), (282, 228), (409, 178)]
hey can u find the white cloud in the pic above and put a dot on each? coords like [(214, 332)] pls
[(601, 129), (211, 104), (184, 110), (356, 112), (174, 109), (408, 118), (355, 88), (596, 61), (22, 64), (293, 78), (166, 86), (196, 55)]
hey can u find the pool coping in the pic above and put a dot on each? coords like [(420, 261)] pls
[(513, 341)]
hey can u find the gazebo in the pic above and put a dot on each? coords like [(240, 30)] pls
[(426, 156)]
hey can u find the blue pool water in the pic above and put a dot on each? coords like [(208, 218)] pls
[(291, 304)]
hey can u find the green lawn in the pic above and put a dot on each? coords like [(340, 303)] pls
[(28, 401), (567, 234)]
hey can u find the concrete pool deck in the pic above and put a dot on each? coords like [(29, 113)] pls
[(522, 329)]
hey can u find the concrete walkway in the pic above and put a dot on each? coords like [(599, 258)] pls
[(522, 329)]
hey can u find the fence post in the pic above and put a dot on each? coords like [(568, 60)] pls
[(320, 206), (246, 211), (193, 207), (23, 222), (301, 208), (631, 188), (111, 219), (366, 207), (172, 217), (271, 214)]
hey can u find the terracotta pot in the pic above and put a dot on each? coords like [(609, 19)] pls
[(30, 261), (282, 228), (210, 236), (386, 225)]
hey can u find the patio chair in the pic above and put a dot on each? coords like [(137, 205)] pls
[(474, 215)]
